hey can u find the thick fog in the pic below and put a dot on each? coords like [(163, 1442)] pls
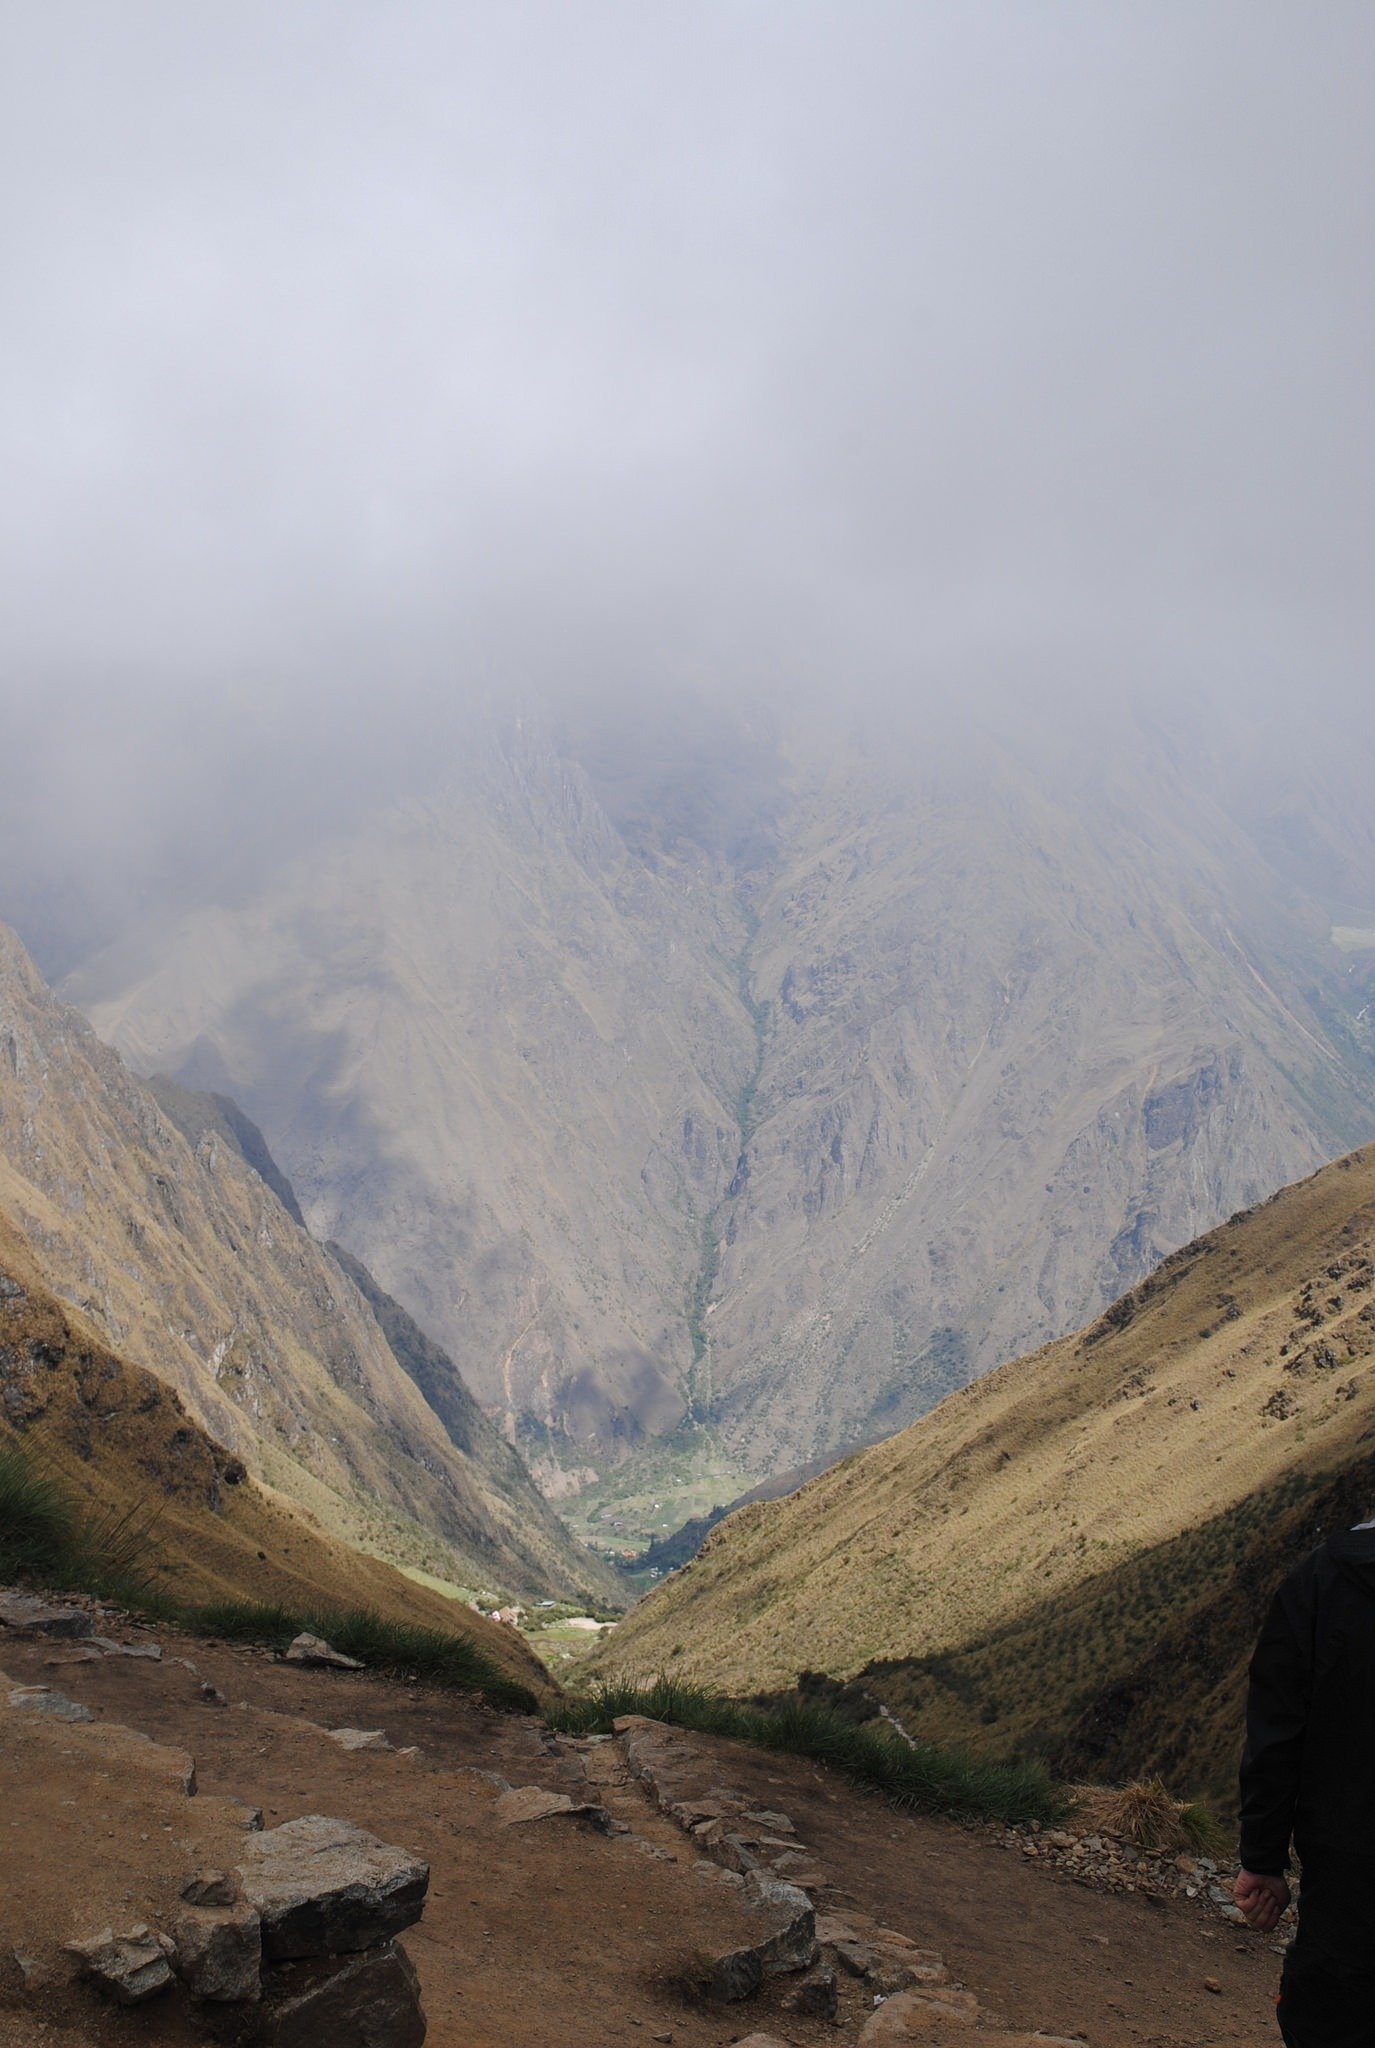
[(363, 363)]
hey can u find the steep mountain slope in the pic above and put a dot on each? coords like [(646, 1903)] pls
[(189, 1265), (1015, 1552), (508, 1528), (763, 1132), (124, 1443)]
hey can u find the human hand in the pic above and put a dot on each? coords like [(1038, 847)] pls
[(1261, 1899)]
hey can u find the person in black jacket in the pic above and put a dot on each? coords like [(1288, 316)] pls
[(1308, 1778)]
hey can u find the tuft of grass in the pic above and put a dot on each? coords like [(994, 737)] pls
[(440, 1658), (49, 1539), (39, 1522), (915, 1775), (1204, 1832), (1146, 1815)]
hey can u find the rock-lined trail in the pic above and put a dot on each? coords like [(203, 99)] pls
[(580, 1893)]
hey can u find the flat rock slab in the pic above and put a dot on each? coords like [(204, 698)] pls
[(41, 1699), (359, 1738), (30, 1617), (314, 1650), (325, 1887), (531, 1802), (774, 1823), (372, 2001)]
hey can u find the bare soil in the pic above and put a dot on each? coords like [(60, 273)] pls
[(548, 1934)]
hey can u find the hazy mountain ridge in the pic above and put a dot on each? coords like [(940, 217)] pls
[(1014, 1058), (966, 1037), (497, 1055), (187, 1262)]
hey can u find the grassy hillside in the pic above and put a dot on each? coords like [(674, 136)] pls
[(1008, 1567), (121, 1442)]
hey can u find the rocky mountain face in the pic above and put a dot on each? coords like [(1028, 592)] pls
[(773, 1107), (184, 1259), (1074, 1553)]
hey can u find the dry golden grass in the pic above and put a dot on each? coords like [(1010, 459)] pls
[(1143, 1814), (1244, 1361)]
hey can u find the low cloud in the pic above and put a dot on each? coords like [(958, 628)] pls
[(360, 364)]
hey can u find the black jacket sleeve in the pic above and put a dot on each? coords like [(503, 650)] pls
[(1277, 1706)]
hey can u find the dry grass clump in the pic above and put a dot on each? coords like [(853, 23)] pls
[(1148, 1816)]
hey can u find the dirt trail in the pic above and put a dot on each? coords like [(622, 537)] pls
[(553, 1936)]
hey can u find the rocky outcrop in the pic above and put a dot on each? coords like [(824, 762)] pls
[(129, 1967), (23, 1615)]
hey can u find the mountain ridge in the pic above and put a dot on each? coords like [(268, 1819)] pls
[(754, 1147)]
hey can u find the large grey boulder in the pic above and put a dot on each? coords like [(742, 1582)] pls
[(372, 2001), (325, 1887)]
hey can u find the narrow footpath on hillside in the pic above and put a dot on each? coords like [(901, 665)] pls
[(583, 1920)]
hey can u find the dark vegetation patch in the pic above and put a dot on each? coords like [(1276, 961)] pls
[(1140, 1670), (920, 1776), (404, 1649), (49, 1538)]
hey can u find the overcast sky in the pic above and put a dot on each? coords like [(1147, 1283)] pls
[(356, 353)]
